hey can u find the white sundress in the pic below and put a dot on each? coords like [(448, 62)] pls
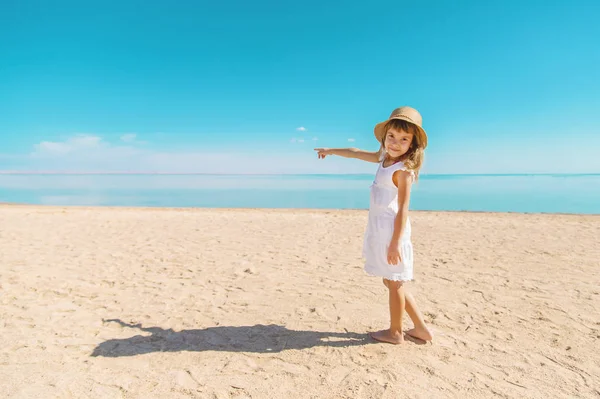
[(383, 210)]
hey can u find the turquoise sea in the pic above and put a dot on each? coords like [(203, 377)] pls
[(559, 193)]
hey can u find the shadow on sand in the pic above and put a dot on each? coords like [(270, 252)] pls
[(258, 338)]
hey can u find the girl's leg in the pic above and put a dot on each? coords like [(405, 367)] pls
[(420, 330), (394, 334)]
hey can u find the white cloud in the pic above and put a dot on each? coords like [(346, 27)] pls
[(351, 140), (315, 139), (82, 151), (77, 143), (129, 137), (297, 140), (301, 129), (51, 148)]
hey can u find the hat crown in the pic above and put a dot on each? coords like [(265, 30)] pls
[(408, 113)]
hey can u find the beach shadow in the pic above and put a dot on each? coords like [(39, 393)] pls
[(258, 339)]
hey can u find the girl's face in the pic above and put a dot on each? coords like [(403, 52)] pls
[(397, 142)]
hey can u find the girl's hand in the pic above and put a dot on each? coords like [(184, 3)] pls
[(323, 152), (393, 255)]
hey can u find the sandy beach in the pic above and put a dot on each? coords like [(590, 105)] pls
[(178, 303)]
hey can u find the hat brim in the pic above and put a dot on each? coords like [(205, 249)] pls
[(380, 130)]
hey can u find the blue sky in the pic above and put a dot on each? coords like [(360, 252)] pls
[(252, 87)]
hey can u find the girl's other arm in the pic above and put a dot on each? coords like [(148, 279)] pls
[(403, 181), (355, 153)]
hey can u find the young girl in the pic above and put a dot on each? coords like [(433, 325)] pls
[(387, 246)]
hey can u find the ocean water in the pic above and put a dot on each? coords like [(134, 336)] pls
[(496, 193)]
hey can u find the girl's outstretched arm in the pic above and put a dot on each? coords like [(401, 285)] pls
[(355, 153), (403, 180)]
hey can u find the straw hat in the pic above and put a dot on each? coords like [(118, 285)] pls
[(405, 113)]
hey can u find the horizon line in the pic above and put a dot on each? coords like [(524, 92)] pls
[(117, 173)]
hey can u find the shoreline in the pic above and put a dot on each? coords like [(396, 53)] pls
[(287, 210)]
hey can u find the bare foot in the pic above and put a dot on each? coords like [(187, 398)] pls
[(420, 333), (388, 337)]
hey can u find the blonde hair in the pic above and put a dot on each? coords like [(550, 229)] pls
[(413, 158)]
